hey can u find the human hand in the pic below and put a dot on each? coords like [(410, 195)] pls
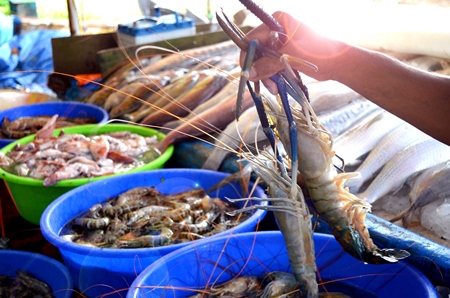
[(303, 44)]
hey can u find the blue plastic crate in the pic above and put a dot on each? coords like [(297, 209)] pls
[(152, 29)]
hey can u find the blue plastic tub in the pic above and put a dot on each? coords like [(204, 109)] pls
[(63, 109), (43, 268), (96, 271), (220, 259)]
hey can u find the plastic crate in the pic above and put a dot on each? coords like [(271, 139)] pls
[(153, 29)]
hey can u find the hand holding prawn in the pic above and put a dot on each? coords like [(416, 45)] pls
[(309, 146)]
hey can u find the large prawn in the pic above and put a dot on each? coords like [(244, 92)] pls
[(290, 120)]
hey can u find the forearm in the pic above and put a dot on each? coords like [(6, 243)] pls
[(418, 97)]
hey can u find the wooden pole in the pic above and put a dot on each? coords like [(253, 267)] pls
[(73, 18)]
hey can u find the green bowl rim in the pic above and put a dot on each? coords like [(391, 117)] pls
[(86, 130)]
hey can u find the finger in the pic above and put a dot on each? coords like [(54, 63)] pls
[(271, 86), (260, 33), (264, 68)]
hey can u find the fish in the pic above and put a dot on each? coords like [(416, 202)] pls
[(205, 122), (116, 97), (423, 154), (160, 98), (99, 97), (239, 133), (190, 56), (228, 90), (209, 84), (330, 95), (132, 101), (430, 185), (389, 145), (340, 119), (364, 135)]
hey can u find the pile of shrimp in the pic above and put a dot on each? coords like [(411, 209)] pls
[(69, 156), (273, 284), (24, 285), (24, 126), (143, 217)]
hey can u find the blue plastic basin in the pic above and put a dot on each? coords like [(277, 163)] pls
[(63, 109), (42, 267), (102, 271), (218, 260)]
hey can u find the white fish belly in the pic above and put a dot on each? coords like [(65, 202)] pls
[(419, 156)]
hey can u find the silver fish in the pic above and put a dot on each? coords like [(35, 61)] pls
[(429, 186), (329, 95), (341, 119), (391, 144), (364, 135), (421, 155)]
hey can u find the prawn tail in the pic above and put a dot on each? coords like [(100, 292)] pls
[(346, 219)]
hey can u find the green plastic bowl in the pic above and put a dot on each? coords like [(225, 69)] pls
[(31, 197)]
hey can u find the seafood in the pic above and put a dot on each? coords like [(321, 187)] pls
[(205, 122), (344, 212), (228, 90), (341, 119), (132, 101), (54, 158), (188, 56), (389, 145), (162, 239), (431, 185), (364, 135), (143, 217), (159, 99), (236, 134), (418, 156), (100, 96), (115, 98), (329, 95), (293, 218), (273, 284), (238, 287), (278, 283), (24, 285), (25, 126), (310, 149), (209, 84)]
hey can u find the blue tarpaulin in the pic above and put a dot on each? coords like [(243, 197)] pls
[(29, 66)]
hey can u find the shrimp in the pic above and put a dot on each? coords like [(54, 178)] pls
[(290, 119), (92, 223), (278, 283), (293, 218), (164, 238), (344, 212), (237, 287)]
